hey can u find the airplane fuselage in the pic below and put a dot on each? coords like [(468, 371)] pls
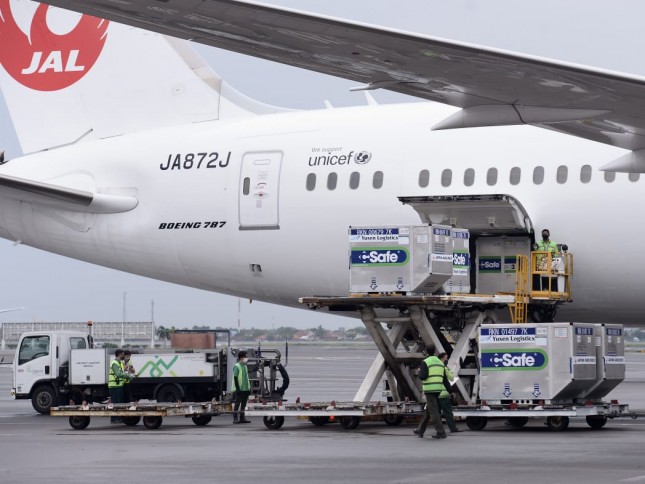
[(259, 208)]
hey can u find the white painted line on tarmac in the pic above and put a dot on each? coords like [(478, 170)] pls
[(634, 479)]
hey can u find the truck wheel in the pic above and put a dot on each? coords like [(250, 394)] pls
[(273, 423), (476, 423), (393, 420), (319, 421), (168, 393), (202, 420), (557, 424), (131, 421), (152, 423), (43, 398), (517, 422), (596, 421), (350, 423), (79, 423)]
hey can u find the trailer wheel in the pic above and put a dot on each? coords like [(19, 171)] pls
[(273, 423), (476, 423), (350, 423), (517, 422), (201, 420), (79, 423), (131, 421), (596, 421), (43, 398), (168, 393), (393, 420), (152, 423), (319, 421), (557, 424)]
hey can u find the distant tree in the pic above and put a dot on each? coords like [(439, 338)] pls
[(319, 332), (201, 328), (284, 332), (164, 334)]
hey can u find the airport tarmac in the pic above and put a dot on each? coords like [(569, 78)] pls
[(37, 448)]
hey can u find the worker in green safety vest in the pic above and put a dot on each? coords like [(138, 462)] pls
[(116, 378), (241, 387), (432, 373), (549, 246), (445, 402)]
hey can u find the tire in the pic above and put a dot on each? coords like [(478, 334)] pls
[(557, 424), (596, 421), (79, 423), (201, 420), (273, 423), (319, 421), (169, 394), (131, 421), (43, 398), (152, 423), (350, 423), (517, 422), (393, 420), (476, 423)]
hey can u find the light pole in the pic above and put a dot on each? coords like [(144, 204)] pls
[(125, 294)]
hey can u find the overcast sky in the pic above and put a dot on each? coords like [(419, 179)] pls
[(53, 288)]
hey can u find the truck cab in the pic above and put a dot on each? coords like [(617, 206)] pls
[(41, 365)]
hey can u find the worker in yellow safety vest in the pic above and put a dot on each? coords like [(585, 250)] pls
[(128, 368), (116, 379), (432, 373), (547, 245)]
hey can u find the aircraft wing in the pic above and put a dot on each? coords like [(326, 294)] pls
[(494, 87), (62, 198)]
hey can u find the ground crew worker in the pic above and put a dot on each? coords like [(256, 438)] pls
[(128, 368), (445, 403), (547, 245), (432, 373), (241, 388), (116, 378)]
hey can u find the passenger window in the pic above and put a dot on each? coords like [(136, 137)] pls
[(424, 178), (562, 174), (446, 178), (311, 181), (491, 177), (469, 177), (634, 177), (538, 175), (77, 343), (354, 180), (332, 180), (33, 347), (377, 181), (585, 173), (610, 176), (515, 175)]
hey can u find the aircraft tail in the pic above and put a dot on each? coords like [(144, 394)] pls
[(70, 78)]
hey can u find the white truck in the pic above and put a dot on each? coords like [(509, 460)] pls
[(58, 367)]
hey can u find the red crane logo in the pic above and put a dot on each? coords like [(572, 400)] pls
[(44, 60)]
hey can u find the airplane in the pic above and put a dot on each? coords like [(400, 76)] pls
[(154, 165)]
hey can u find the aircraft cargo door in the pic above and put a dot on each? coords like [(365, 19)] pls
[(259, 190)]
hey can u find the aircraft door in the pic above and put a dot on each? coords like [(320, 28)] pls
[(259, 190)]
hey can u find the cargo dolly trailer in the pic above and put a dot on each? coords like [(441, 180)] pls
[(152, 413)]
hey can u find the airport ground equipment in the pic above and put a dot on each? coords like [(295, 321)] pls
[(553, 371), (53, 367), (152, 413)]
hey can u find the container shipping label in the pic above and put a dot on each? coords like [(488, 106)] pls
[(584, 360), (509, 334), (614, 360), (513, 359), (380, 234)]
